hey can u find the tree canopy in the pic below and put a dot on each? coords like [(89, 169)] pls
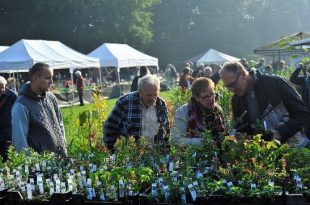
[(172, 30)]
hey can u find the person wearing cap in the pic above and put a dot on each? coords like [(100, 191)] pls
[(7, 99), (80, 86)]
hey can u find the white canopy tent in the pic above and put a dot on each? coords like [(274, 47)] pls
[(122, 55), (302, 42), (2, 48), (25, 53), (212, 56)]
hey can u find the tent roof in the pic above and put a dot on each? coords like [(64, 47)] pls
[(25, 53), (275, 45), (2, 48), (121, 55), (302, 42), (212, 56)]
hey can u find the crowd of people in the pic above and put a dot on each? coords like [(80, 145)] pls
[(33, 119)]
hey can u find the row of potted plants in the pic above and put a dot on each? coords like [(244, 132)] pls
[(240, 169)]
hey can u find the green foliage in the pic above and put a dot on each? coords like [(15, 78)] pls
[(83, 126), (180, 97), (224, 100)]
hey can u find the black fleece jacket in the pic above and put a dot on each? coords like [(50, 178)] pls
[(274, 90)]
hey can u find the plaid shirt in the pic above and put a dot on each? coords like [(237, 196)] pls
[(126, 120)]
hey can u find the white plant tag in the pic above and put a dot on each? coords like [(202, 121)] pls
[(32, 183), (26, 169), (154, 190), (37, 167), (63, 187), (183, 196), (29, 191), (57, 190), (253, 186), (192, 191), (170, 166), (230, 184), (121, 188), (51, 184)]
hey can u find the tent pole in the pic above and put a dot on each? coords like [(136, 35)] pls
[(119, 81), (14, 81), (100, 77), (17, 79)]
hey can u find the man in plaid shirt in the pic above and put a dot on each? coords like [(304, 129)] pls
[(140, 113)]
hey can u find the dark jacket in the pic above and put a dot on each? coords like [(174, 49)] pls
[(304, 83), (274, 90), (134, 84), (6, 103)]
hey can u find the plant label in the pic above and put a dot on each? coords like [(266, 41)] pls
[(271, 183), (253, 186), (170, 166), (192, 192), (29, 191)]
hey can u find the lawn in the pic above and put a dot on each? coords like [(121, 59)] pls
[(74, 110)]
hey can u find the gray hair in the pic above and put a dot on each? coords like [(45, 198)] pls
[(3, 81), (78, 73), (150, 80)]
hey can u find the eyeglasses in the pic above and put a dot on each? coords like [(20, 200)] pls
[(207, 96), (231, 85)]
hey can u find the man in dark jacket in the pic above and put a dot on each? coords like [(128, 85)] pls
[(7, 99), (303, 81), (257, 96), (36, 118), (143, 71)]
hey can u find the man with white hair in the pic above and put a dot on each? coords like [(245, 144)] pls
[(139, 113), (80, 86), (7, 99)]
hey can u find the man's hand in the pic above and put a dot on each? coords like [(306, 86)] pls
[(300, 66), (276, 135)]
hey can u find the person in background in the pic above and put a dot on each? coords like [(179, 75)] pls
[(261, 66), (200, 114), (215, 76), (257, 97), (268, 70), (142, 72), (282, 66), (7, 99), (199, 71), (139, 113), (303, 81), (36, 117), (186, 80), (80, 86), (170, 75), (244, 63), (207, 71)]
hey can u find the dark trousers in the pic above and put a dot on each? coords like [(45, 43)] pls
[(81, 99), (4, 147)]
